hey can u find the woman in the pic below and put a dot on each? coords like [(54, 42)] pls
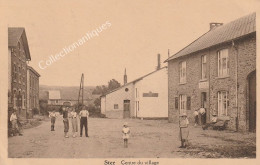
[(184, 130), (74, 121), (65, 121)]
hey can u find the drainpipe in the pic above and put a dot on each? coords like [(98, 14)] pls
[(236, 49)]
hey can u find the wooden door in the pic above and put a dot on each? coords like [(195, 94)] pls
[(126, 113), (252, 102)]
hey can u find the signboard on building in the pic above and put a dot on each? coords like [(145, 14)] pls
[(204, 85), (150, 94)]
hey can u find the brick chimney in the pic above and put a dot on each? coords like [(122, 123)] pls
[(159, 61), (213, 25)]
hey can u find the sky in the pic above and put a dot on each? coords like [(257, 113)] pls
[(139, 31)]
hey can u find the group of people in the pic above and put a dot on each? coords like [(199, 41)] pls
[(71, 114)]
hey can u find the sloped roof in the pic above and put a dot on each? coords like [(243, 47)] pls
[(225, 33), (54, 95), (14, 34), (134, 81), (33, 70)]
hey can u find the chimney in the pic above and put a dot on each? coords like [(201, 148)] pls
[(213, 25), (159, 61), (125, 78)]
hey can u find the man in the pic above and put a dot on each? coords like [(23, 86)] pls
[(84, 120), (65, 121), (196, 117), (14, 121), (202, 112)]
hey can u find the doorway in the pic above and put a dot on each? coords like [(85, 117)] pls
[(203, 105), (252, 101), (126, 113)]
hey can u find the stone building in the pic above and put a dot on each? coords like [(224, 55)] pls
[(18, 56), (32, 90), (218, 72)]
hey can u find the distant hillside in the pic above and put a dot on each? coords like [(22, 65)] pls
[(70, 93)]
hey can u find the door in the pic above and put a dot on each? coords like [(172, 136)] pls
[(252, 102), (203, 105), (126, 113)]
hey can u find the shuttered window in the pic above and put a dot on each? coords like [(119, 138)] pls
[(188, 103), (176, 103)]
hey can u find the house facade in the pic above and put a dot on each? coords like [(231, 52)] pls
[(145, 97), (32, 90), (18, 56), (217, 72)]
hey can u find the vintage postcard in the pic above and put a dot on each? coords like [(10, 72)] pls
[(129, 82)]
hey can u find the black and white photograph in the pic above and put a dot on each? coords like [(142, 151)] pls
[(129, 82)]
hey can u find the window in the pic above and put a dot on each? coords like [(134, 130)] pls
[(115, 106), (223, 63), (203, 67), (14, 99), (126, 89), (183, 103), (136, 92), (182, 72), (23, 101), (15, 73), (222, 103), (176, 103)]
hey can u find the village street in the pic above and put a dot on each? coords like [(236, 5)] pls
[(149, 139)]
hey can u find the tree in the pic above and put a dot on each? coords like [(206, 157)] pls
[(103, 89), (113, 84)]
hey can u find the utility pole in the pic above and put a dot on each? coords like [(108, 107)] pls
[(81, 91)]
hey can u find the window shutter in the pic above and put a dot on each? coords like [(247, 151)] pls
[(189, 103), (176, 102)]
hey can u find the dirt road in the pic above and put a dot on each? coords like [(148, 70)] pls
[(149, 139)]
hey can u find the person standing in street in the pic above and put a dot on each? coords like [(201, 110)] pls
[(53, 116), (14, 121), (196, 117), (202, 112), (74, 122), (65, 121), (184, 130), (84, 120)]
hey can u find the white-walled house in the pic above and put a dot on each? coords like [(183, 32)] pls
[(145, 97)]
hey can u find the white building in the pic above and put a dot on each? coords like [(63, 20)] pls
[(145, 97)]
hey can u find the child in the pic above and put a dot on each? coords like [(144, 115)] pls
[(126, 132), (52, 115), (184, 130)]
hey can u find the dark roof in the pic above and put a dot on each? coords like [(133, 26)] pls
[(34, 71), (225, 33), (134, 81), (14, 34)]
